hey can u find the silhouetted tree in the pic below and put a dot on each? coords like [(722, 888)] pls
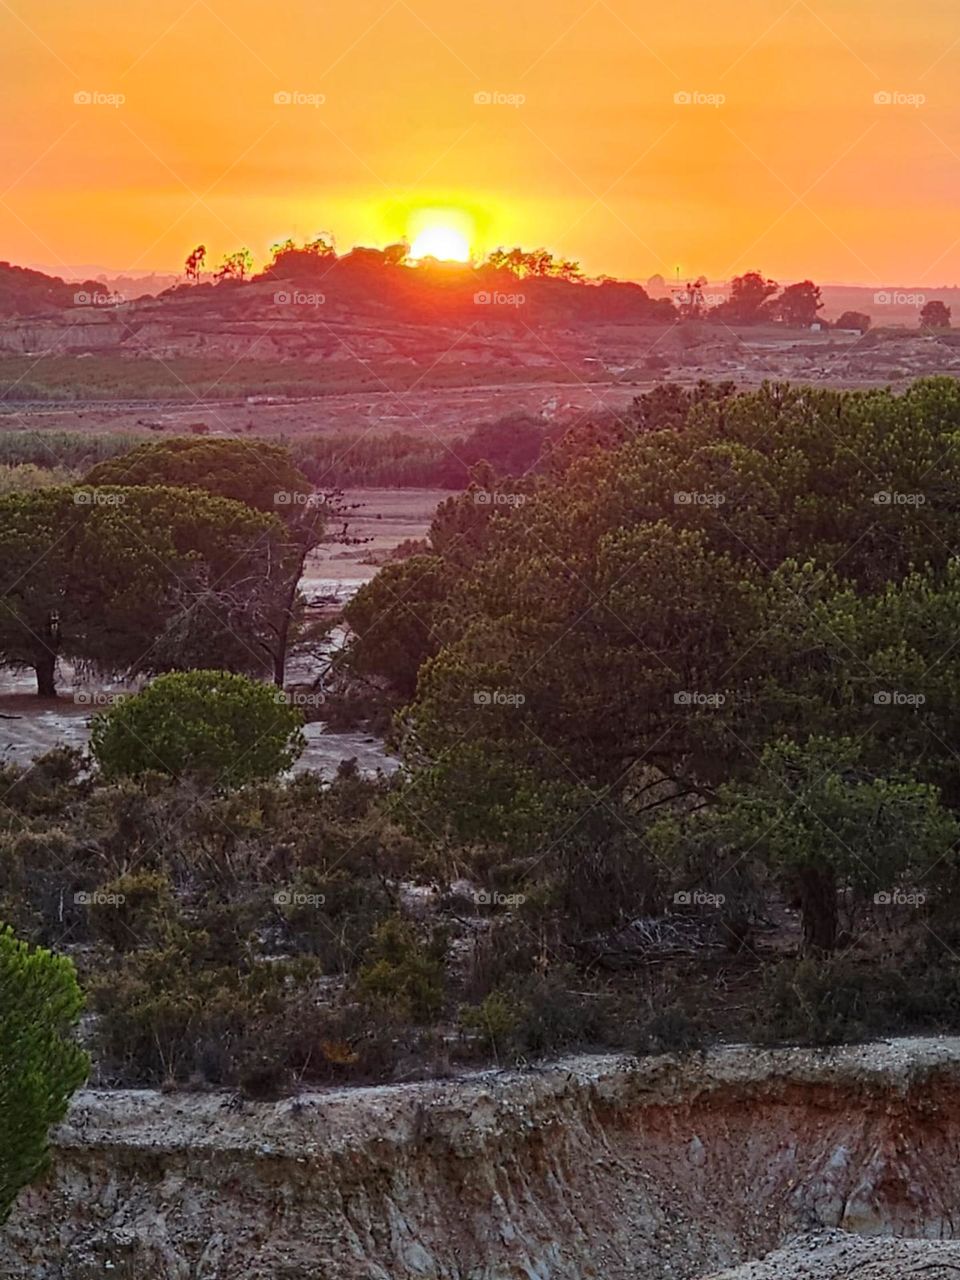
[(935, 315), (799, 303), (749, 300), (854, 320), (195, 263)]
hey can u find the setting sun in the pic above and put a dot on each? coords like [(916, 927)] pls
[(446, 243), (440, 232)]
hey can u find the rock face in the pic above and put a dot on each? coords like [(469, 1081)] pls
[(594, 1169), (834, 1255)]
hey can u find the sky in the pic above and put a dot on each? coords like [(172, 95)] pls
[(816, 139)]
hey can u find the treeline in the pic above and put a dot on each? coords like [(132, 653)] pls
[(709, 654)]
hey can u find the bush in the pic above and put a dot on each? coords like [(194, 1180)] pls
[(837, 1000), (170, 1014), (335, 915), (40, 1064), (127, 912), (540, 1015), (404, 975), (226, 728)]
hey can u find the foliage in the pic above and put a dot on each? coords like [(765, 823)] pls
[(393, 618), (404, 973), (854, 320), (935, 315), (256, 472), (799, 303), (220, 726), (40, 1064), (136, 580)]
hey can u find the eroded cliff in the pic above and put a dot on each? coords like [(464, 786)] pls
[(596, 1167)]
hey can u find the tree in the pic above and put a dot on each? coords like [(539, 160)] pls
[(261, 475), (538, 263), (815, 812), (41, 1065), (392, 620), (854, 320), (235, 266), (799, 303), (194, 263), (935, 315), (749, 300), (256, 472), (136, 580), (302, 263), (663, 605), (690, 303), (224, 727)]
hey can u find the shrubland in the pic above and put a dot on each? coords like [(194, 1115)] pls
[(674, 711)]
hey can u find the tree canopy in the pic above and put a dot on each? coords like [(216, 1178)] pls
[(657, 614), (222, 727)]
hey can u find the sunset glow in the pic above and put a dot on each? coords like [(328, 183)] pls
[(802, 140)]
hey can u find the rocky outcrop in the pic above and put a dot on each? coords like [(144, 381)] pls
[(594, 1168), (835, 1255)]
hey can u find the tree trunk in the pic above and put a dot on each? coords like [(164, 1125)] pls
[(818, 906), (286, 619), (46, 669)]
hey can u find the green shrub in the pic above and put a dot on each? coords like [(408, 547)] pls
[(222, 727), (541, 1015), (335, 914), (172, 1014), (405, 974), (127, 912), (40, 1064)]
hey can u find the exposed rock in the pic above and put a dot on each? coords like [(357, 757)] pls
[(594, 1168), (835, 1255)]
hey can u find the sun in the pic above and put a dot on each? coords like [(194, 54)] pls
[(445, 242)]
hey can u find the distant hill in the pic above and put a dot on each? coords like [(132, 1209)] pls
[(24, 292)]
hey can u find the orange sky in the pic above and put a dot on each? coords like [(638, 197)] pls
[(798, 172)]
